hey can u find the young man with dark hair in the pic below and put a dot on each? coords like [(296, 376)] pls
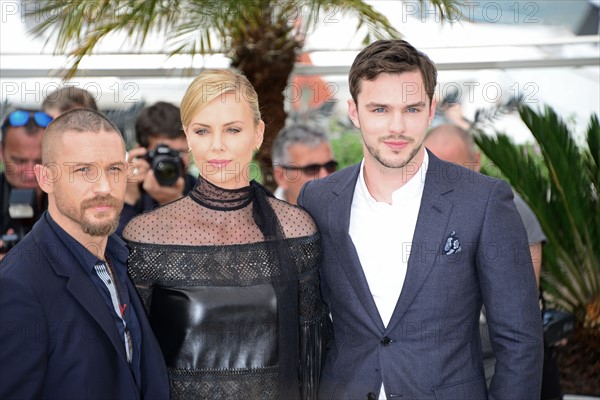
[(412, 248)]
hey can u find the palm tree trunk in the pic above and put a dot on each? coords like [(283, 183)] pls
[(267, 61)]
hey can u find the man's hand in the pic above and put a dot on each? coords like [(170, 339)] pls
[(142, 176), (138, 169)]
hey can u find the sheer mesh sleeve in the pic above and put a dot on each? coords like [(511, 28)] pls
[(295, 221)]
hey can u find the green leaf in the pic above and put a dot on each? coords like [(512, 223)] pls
[(559, 180)]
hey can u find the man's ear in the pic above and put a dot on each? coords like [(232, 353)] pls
[(432, 108), (279, 176), (353, 113), (45, 177)]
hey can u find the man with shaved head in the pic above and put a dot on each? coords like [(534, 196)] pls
[(72, 324)]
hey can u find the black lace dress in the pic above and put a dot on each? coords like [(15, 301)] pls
[(230, 282)]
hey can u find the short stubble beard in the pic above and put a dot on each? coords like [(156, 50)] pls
[(90, 228), (375, 153)]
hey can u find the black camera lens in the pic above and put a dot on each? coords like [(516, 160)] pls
[(166, 164), (166, 171)]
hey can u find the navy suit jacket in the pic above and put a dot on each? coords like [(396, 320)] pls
[(58, 339), (431, 347)]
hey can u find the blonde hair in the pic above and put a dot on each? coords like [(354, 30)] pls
[(212, 83)]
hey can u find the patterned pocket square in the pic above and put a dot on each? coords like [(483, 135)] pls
[(452, 244)]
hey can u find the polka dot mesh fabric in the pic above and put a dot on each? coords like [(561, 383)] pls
[(211, 238), (223, 218)]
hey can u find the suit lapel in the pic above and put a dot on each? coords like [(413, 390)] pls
[(339, 224), (428, 238), (80, 285), (86, 293)]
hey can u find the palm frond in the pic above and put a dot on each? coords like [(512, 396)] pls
[(560, 185), (191, 26), (86, 23), (562, 156), (593, 161), (261, 37), (487, 116)]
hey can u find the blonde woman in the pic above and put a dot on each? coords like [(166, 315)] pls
[(229, 274)]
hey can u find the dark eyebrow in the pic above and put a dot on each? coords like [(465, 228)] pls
[(416, 105), (95, 164), (375, 105)]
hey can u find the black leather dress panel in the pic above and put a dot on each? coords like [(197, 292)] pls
[(216, 328)]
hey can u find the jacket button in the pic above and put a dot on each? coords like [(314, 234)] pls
[(371, 396), (386, 341)]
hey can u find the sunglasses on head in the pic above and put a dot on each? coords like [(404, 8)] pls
[(21, 118), (314, 169)]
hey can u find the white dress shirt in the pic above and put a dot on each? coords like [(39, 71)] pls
[(382, 234), (279, 193)]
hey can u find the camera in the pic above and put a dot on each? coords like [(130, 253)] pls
[(9, 241), (558, 325), (21, 209), (166, 164)]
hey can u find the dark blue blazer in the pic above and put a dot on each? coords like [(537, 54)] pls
[(431, 347), (58, 339)]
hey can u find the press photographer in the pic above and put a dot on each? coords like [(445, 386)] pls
[(159, 163), (21, 142)]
